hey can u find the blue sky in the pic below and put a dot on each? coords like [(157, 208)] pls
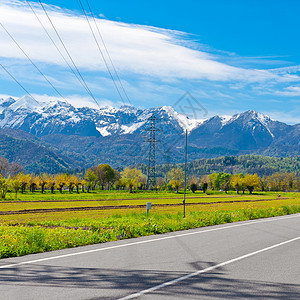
[(232, 56)]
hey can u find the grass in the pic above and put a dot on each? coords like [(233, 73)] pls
[(93, 195), (110, 195), (32, 233)]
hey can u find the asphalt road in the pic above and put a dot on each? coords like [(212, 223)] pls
[(257, 259)]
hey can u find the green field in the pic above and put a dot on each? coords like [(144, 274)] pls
[(38, 222)]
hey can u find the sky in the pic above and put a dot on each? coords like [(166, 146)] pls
[(231, 56)]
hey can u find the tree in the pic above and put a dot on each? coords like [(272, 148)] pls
[(264, 183), (4, 165), (275, 182), (77, 183), (193, 187), (14, 169), (251, 182), (204, 183), (212, 181), (60, 181), (70, 181), (159, 183), (193, 184), (83, 184), (90, 178), (3, 187), (51, 183), (43, 181), (142, 181), (296, 183), (222, 181), (25, 180), (15, 184), (130, 177), (177, 178), (281, 181), (289, 179), (33, 183), (236, 182), (118, 182), (105, 175)]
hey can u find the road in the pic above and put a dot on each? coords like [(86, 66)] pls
[(253, 259)]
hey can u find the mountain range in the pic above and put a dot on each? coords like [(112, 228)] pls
[(56, 136)]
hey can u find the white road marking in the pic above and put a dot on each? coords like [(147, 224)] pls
[(174, 281), (149, 241)]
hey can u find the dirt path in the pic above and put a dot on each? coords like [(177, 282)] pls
[(118, 199)]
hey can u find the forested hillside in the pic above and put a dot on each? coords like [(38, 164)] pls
[(262, 165)]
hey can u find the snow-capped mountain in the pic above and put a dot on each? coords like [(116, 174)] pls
[(118, 135), (60, 117), (247, 131)]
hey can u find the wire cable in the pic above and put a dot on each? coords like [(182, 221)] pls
[(26, 91), (68, 53), (59, 51), (101, 52), (37, 68), (107, 52)]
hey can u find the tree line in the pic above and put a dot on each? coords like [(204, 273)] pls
[(239, 182), (12, 178)]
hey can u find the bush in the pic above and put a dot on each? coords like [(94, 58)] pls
[(193, 187), (169, 187)]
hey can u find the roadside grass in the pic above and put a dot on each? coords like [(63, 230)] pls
[(23, 234), (22, 240)]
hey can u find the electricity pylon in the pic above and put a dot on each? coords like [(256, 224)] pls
[(151, 176)]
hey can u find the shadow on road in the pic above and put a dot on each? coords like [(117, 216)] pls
[(205, 286)]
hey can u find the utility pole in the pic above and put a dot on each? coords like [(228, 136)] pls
[(151, 176), (185, 165)]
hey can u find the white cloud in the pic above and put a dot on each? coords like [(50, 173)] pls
[(79, 101), (5, 96), (286, 117), (290, 91), (135, 49), (157, 66), (75, 100)]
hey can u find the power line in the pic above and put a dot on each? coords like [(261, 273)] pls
[(107, 52), (33, 63), (53, 42), (68, 53), (105, 62), (26, 91)]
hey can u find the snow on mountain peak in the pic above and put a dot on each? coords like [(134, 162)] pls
[(128, 108), (7, 100), (185, 122), (265, 120), (26, 103), (249, 115), (225, 119), (58, 106), (4, 103), (108, 120)]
